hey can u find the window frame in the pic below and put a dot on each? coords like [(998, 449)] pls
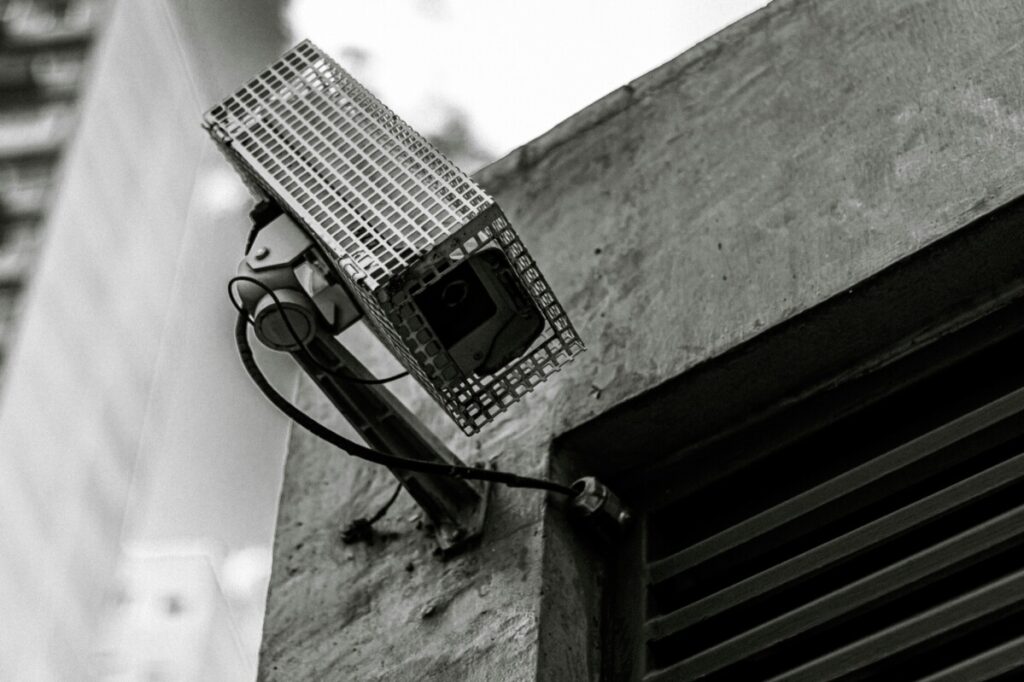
[(945, 301)]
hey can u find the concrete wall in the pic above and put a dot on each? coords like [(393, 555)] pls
[(797, 152)]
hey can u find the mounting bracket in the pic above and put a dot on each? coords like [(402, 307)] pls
[(310, 300), (455, 507)]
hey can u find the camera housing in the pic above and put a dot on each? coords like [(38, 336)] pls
[(431, 260)]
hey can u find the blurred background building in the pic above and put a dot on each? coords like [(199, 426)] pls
[(43, 49), (181, 612), (118, 230)]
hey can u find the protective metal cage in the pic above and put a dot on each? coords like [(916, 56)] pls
[(394, 212)]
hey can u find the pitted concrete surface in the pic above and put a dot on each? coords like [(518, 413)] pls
[(776, 164)]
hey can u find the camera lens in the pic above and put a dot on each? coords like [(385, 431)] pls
[(455, 293), (456, 304)]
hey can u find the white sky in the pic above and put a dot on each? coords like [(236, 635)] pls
[(516, 68)]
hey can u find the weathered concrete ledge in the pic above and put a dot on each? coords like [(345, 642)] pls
[(799, 151)]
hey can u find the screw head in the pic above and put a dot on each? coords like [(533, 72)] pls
[(262, 253)]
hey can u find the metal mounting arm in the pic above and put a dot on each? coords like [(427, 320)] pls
[(303, 315), (455, 507)]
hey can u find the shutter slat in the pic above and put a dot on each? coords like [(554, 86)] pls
[(927, 565), (970, 608), (833, 490), (842, 548), (998, 661)]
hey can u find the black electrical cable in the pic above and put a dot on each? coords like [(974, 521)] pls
[(356, 450), (387, 505), (333, 371), (361, 529)]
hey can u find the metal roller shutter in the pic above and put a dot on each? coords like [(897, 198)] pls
[(886, 544)]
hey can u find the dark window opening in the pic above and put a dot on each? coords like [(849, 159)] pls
[(873, 528)]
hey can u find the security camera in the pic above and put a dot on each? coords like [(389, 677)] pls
[(359, 218), (420, 251)]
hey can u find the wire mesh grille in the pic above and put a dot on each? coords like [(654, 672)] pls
[(394, 211), (473, 401), (379, 194)]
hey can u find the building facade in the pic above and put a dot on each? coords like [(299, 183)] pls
[(110, 260), (173, 619), (794, 255), (43, 50)]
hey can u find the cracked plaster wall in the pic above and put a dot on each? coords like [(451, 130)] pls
[(774, 165)]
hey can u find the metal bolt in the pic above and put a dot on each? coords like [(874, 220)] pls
[(262, 253), (624, 518)]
